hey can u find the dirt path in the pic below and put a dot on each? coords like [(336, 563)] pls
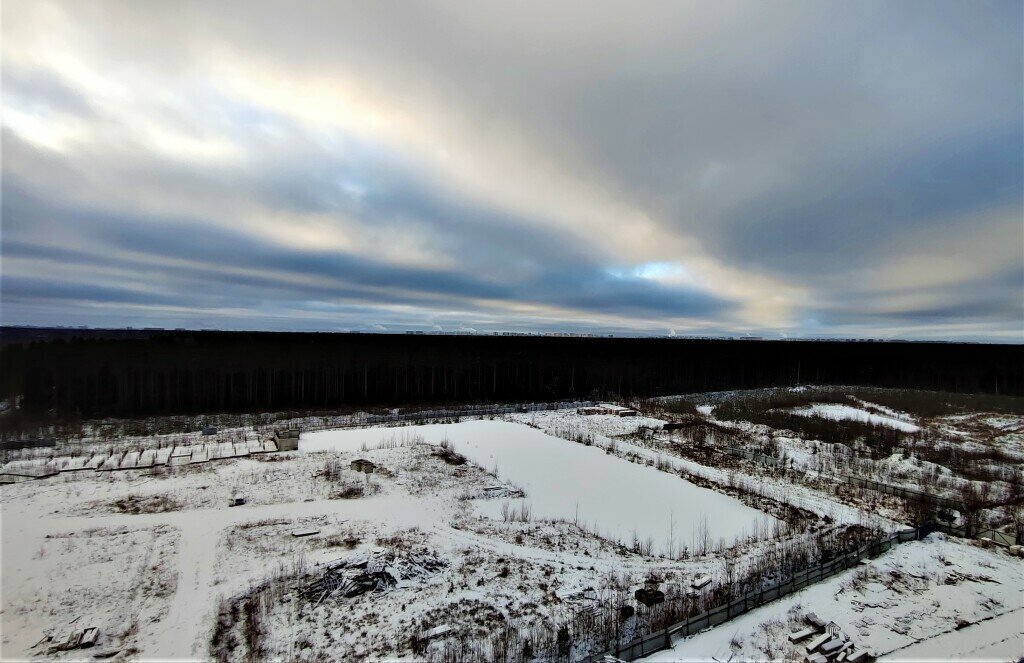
[(181, 632)]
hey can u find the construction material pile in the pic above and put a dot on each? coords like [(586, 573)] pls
[(376, 571)]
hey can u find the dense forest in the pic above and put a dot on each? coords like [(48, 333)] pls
[(92, 373)]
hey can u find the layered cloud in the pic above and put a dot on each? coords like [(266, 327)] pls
[(707, 168)]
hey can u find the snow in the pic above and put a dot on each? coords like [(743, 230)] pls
[(896, 603), (570, 481), (838, 412), (614, 433), (145, 555), (178, 630), (999, 639)]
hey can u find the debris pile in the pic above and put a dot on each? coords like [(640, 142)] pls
[(377, 571), (71, 638), (830, 644)]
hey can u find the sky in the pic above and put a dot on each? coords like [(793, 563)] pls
[(784, 169)]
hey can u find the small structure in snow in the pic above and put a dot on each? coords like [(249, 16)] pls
[(861, 656), (817, 642), (238, 499), (287, 439), (309, 531), (209, 430), (832, 646), (649, 597), (700, 582), (815, 621), (89, 637), (363, 465), (75, 638), (797, 636)]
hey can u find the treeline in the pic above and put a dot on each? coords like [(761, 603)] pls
[(175, 372)]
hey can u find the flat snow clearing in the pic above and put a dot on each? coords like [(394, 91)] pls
[(571, 481), (998, 640), (838, 412)]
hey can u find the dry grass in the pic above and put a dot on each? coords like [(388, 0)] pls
[(136, 504)]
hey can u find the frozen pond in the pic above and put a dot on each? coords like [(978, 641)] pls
[(568, 480)]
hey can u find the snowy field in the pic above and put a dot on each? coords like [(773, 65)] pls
[(157, 561), (568, 481)]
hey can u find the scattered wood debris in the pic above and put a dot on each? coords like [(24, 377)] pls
[(377, 572)]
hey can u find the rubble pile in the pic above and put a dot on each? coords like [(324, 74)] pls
[(377, 571)]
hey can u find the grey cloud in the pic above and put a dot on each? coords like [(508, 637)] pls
[(802, 143), (207, 251)]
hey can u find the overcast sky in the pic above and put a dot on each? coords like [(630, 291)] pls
[(846, 169)]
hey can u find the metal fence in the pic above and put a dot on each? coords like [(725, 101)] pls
[(666, 637), (359, 421), (985, 533)]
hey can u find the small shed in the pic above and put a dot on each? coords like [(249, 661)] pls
[(238, 499), (363, 465), (209, 430), (700, 582), (287, 439), (649, 597)]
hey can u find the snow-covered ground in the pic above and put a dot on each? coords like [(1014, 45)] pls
[(893, 606), (839, 412), (569, 481), (152, 557), (996, 640)]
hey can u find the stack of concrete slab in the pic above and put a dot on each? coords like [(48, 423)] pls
[(181, 455), (75, 463), (112, 462), (220, 450), (147, 458), (129, 461), (162, 455)]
